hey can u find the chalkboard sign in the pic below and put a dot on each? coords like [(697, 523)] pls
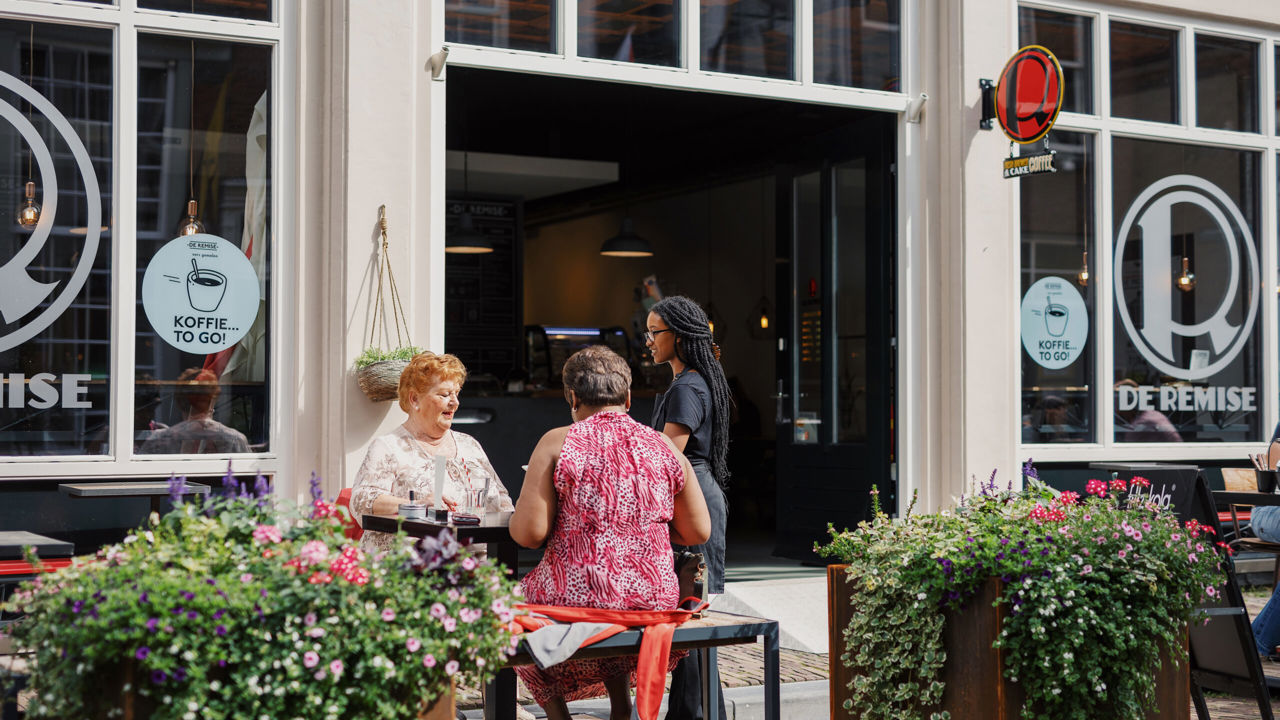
[(484, 292)]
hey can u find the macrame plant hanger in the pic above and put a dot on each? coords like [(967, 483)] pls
[(379, 304)]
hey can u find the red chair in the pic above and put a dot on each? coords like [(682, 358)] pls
[(352, 529)]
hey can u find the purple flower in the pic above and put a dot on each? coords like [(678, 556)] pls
[(188, 595), (192, 614), (220, 630), (177, 485), (143, 598), (261, 486), (229, 481), (142, 652), (158, 677), (77, 606), (152, 623), (219, 613), (316, 492), (180, 674)]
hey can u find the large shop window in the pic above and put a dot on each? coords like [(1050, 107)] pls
[(200, 381), (55, 281), (1059, 291), (1070, 38), (201, 343), (1144, 72), (1187, 332)]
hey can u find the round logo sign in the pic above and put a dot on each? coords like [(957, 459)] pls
[(200, 293), (1055, 323), (22, 293), (1029, 94), (1154, 332)]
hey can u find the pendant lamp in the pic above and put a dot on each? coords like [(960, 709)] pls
[(626, 243), (465, 239), (190, 224), (29, 211)]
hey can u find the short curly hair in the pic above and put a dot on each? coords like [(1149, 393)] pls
[(425, 370), (597, 375)]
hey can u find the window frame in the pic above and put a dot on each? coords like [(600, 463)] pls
[(1105, 128), (127, 22)]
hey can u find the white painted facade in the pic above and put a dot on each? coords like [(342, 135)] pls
[(360, 123)]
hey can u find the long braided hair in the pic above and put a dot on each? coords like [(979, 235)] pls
[(697, 350)]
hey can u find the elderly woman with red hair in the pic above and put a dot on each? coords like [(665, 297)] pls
[(402, 460)]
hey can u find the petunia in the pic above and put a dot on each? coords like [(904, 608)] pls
[(449, 624), (388, 614), (152, 624), (451, 667), (309, 619), (142, 652), (246, 578), (429, 660), (158, 676), (335, 667), (220, 630), (438, 610), (412, 644), (310, 659)]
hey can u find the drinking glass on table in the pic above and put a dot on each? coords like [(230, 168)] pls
[(477, 481)]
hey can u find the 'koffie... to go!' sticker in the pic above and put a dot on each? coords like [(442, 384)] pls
[(200, 293)]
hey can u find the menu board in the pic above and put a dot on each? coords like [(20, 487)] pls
[(483, 317)]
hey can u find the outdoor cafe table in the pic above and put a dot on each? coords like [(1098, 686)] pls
[(700, 634), (157, 491)]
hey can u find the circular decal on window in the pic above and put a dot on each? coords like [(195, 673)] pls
[(1055, 323), (24, 294), (1029, 94), (200, 293)]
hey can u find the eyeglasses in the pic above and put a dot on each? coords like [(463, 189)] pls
[(648, 334)]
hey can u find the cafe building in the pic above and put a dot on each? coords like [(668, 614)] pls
[(190, 237)]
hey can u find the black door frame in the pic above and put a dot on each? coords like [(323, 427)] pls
[(830, 482)]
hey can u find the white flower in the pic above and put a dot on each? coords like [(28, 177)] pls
[(921, 596)]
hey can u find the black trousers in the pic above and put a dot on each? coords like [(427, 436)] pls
[(685, 700)]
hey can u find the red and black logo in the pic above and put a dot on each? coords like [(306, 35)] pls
[(1029, 94)]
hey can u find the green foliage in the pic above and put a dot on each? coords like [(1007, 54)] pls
[(237, 609), (1092, 590), (373, 355)]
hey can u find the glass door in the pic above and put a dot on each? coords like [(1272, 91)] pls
[(835, 368)]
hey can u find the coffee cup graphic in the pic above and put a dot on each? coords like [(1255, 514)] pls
[(205, 289), (1055, 319)]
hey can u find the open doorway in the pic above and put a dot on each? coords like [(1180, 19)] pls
[(720, 188)]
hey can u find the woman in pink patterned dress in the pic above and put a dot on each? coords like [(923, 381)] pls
[(608, 495)]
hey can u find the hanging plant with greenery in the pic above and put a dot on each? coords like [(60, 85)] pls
[(1093, 589)]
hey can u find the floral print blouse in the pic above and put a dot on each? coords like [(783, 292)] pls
[(397, 463)]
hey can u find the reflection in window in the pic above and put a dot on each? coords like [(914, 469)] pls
[(809, 284), (646, 33), (213, 144), (1070, 39), (1057, 229), (749, 37), (1187, 357), (1226, 83), (55, 283), (511, 24), (241, 9), (851, 301), (1144, 72), (856, 43)]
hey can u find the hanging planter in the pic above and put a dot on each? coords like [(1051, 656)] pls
[(377, 370)]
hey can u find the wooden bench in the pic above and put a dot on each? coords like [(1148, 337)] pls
[(702, 635)]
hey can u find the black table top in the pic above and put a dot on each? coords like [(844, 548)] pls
[(127, 489), (1232, 497), (12, 542), (495, 527)]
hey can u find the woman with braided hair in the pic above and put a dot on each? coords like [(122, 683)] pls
[(694, 413)]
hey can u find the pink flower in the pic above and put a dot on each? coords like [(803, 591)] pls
[(319, 674), (313, 553), (1191, 557), (335, 667), (388, 614), (267, 534), (310, 659), (1137, 535), (315, 632), (1175, 537), (1211, 591), (479, 662), (449, 624), (451, 667), (309, 619), (412, 644), (1086, 570), (468, 563), (246, 578), (1121, 554), (1146, 527), (438, 611), (429, 660), (497, 605)]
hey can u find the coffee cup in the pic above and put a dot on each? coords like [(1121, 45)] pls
[(1266, 480), (1055, 319), (205, 289)]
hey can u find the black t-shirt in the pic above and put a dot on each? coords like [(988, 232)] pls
[(688, 402)]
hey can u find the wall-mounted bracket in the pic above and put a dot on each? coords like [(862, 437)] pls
[(988, 103)]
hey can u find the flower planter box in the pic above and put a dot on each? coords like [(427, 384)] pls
[(976, 688)]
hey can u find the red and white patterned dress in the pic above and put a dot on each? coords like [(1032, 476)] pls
[(610, 546)]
